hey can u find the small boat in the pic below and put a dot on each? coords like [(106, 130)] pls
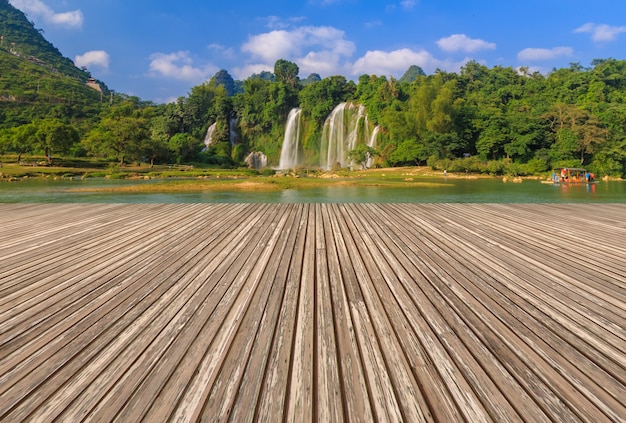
[(572, 175)]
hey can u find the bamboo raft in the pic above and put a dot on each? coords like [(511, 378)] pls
[(313, 312)]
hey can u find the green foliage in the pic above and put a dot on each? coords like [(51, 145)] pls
[(318, 99), (362, 154), (185, 147), (23, 40), (286, 72), (122, 133), (408, 152), (223, 78), (491, 120), (54, 136), (412, 73), (314, 77)]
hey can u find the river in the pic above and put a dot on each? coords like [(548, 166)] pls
[(453, 190)]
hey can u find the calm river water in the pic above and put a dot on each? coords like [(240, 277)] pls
[(454, 191)]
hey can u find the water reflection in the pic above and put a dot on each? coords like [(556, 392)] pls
[(440, 190)]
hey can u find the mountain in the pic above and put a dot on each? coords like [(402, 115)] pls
[(412, 74), (35, 77)]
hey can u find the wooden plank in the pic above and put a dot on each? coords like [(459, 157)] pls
[(250, 392), (551, 376), (83, 348), (301, 395), (276, 384), (312, 312), (445, 355), (356, 400), (375, 338), (329, 403)]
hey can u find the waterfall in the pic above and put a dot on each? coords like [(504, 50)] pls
[(256, 160), (208, 138), (372, 144), (346, 126), (291, 143), (232, 130)]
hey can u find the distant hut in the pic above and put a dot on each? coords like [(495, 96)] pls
[(91, 83)]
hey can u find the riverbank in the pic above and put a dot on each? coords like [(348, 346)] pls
[(188, 178)]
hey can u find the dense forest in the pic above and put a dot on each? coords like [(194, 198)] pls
[(496, 120)]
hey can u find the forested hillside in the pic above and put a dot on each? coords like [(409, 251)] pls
[(36, 81), (496, 120), (491, 120)]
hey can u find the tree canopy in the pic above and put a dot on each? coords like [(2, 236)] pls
[(497, 116)]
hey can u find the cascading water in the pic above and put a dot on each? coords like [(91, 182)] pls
[(343, 129), (233, 123), (289, 154), (372, 144), (256, 160), (208, 138)]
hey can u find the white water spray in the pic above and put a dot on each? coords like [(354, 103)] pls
[(372, 144), (256, 160), (208, 138), (343, 129), (289, 154)]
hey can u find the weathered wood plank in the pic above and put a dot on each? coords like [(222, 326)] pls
[(313, 312)]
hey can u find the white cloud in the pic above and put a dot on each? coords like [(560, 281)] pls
[(396, 62), (97, 58), (327, 51), (534, 54), (179, 65), (601, 32), (461, 42), (308, 46), (408, 4), (37, 9), (251, 69)]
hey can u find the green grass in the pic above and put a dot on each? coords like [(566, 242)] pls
[(168, 178)]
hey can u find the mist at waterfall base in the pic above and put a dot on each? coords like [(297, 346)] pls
[(346, 127)]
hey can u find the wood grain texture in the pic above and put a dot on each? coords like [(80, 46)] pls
[(313, 312)]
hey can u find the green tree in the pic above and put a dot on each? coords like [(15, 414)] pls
[(55, 136), (318, 99), (23, 140), (409, 151), (122, 138), (576, 130), (286, 72), (362, 154), (184, 146)]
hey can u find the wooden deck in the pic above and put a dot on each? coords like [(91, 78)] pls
[(313, 312)]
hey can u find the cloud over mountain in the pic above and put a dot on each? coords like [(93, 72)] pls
[(97, 58), (38, 10), (179, 65)]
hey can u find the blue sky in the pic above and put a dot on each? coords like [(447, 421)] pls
[(159, 49)]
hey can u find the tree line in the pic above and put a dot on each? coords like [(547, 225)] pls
[(494, 120)]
